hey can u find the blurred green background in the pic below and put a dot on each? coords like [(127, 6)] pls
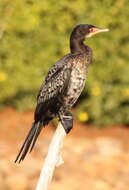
[(34, 34)]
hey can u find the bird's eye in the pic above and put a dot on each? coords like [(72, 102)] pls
[(91, 29)]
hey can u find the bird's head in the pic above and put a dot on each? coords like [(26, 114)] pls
[(83, 31)]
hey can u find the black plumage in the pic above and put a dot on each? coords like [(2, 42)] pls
[(62, 87)]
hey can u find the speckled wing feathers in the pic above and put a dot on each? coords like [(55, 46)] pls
[(55, 69), (55, 86)]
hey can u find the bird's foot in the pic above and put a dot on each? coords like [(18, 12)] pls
[(67, 121)]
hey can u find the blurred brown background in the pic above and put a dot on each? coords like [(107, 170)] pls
[(94, 159)]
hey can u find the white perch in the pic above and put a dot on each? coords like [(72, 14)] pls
[(52, 160)]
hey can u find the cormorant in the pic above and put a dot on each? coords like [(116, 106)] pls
[(62, 86)]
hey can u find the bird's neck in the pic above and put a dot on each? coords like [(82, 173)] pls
[(78, 46)]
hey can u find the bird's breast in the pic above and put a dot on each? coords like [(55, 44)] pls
[(76, 83)]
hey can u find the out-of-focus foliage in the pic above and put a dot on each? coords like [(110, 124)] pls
[(34, 34)]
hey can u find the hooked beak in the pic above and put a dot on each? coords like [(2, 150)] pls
[(95, 30)]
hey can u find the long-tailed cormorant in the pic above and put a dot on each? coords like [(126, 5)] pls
[(62, 86)]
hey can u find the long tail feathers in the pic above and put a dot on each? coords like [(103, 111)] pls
[(29, 142)]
